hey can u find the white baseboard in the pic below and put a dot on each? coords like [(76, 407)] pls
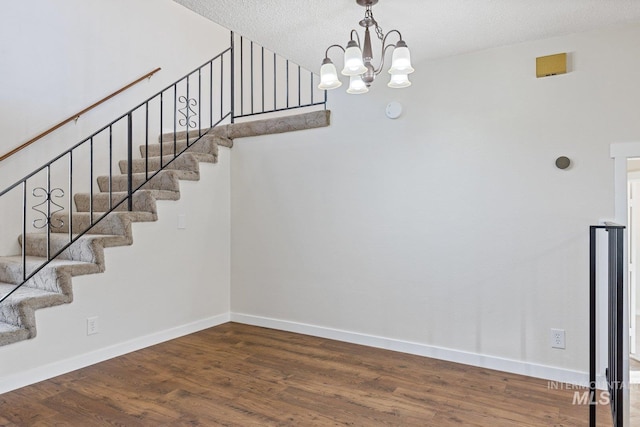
[(556, 375), (560, 376), (45, 372)]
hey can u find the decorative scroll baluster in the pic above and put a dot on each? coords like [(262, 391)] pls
[(187, 112), (46, 204)]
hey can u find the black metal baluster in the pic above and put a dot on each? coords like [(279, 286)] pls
[(592, 326), (91, 180), (232, 89), (299, 88), (287, 83), (110, 167), (175, 124), (232, 92), (48, 223), (146, 141), (262, 85), (199, 103), (275, 82), (241, 78), (211, 94), (70, 222), (24, 230), (325, 99), (311, 86), (251, 77), (161, 123), (130, 162), (188, 110)]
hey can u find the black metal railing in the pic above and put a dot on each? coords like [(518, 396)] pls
[(281, 85), (616, 329), (43, 201)]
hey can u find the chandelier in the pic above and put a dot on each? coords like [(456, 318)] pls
[(358, 59)]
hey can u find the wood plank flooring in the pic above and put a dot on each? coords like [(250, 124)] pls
[(238, 375)]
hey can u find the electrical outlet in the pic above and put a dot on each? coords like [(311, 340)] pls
[(558, 338), (182, 222), (92, 325)]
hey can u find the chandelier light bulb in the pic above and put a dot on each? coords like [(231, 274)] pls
[(357, 85), (328, 76), (399, 81), (353, 64), (401, 60)]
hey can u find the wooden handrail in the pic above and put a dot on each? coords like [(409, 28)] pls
[(77, 115)]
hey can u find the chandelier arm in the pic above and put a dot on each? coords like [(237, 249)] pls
[(388, 34), (384, 52), (357, 37), (326, 53)]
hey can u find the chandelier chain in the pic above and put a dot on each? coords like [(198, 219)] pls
[(369, 15)]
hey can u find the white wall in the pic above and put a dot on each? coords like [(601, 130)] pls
[(56, 59), (449, 228)]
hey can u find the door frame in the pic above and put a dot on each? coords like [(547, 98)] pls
[(634, 226), (620, 153)]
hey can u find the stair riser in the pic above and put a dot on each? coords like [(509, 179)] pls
[(142, 201), (21, 312), (207, 145), (186, 162), (116, 223), (165, 180), (51, 278), (45, 279), (82, 249), (113, 224), (14, 314)]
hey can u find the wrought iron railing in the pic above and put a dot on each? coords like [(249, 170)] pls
[(222, 89), (281, 85), (616, 329)]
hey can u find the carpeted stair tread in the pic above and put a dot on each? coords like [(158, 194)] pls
[(187, 165), (115, 223), (168, 180), (17, 313), (143, 201), (10, 334), (53, 277), (208, 144), (88, 247), (36, 298), (8, 328)]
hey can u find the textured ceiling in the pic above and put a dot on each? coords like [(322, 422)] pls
[(301, 30)]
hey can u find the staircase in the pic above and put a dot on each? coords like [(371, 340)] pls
[(52, 285)]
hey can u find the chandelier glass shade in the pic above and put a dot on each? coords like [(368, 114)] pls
[(358, 58)]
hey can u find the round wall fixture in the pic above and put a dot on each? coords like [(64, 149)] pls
[(393, 110), (563, 162)]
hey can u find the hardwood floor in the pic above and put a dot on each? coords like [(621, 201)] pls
[(238, 375)]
